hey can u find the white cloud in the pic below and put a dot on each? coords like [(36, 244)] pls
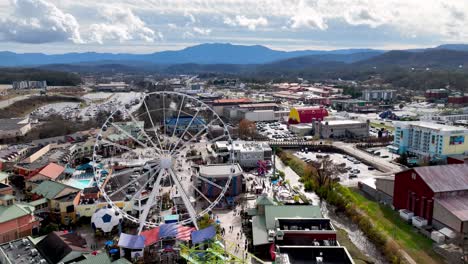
[(38, 21), (250, 23), (202, 31), (121, 25), (191, 18), (363, 16), (411, 22)]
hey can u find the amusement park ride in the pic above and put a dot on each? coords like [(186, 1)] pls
[(157, 180)]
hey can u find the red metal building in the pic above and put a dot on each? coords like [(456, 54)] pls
[(415, 189), (307, 114)]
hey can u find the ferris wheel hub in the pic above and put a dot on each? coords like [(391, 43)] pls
[(166, 161)]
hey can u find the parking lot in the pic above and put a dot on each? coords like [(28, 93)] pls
[(275, 131), (355, 170), (383, 153), (89, 110)]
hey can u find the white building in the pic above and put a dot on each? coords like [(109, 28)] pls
[(246, 153), (29, 85), (258, 115), (446, 119), (341, 129), (429, 140), (378, 95)]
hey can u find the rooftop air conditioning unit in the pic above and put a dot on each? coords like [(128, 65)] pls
[(279, 235)]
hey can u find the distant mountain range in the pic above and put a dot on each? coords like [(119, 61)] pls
[(215, 53), (240, 59)]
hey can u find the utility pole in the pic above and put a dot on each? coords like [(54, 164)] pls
[(274, 161)]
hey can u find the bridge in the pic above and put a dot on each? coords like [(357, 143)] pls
[(382, 165)]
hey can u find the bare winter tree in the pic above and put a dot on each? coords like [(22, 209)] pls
[(327, 171)]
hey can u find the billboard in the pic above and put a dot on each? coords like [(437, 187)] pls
[(457, 140)]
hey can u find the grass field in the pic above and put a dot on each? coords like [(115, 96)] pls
[(387, 220), (378, 125)]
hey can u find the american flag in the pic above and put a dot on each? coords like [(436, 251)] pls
[(184, 232), (167, 231)]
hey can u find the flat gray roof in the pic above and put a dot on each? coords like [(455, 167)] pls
[(220, 170)]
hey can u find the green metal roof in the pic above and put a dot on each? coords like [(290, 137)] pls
[(259, 231), (6, 197), (116, 137), (264, 200), (290, 211), (14, 211), (50, 189), (38, 202), (36, 240), (102, 258)]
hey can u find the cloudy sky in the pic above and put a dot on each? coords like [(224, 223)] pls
[(143, 26)]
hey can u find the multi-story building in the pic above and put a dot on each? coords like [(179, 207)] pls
[(16, 220), (429, 141), (458, 99), (354, 105), (341, 129), (30, 85), (447, 119), (247, 154), (61, 200), (436, 95), (295, 233), (378, 95), (182, 123)]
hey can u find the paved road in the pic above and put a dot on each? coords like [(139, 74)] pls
[(381, 164), (8, 102)]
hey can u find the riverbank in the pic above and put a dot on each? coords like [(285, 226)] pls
[(359, 247), (399, 242)]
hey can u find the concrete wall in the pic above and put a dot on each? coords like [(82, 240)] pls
[(442, 215), (385, 185), (255, 116), (39, 153), (344, 130)]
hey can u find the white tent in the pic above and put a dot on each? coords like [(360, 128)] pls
[(106, 219)]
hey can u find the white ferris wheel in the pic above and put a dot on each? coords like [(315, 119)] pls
[(149, 160)]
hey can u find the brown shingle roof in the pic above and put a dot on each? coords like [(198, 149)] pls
[(445, 178)]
